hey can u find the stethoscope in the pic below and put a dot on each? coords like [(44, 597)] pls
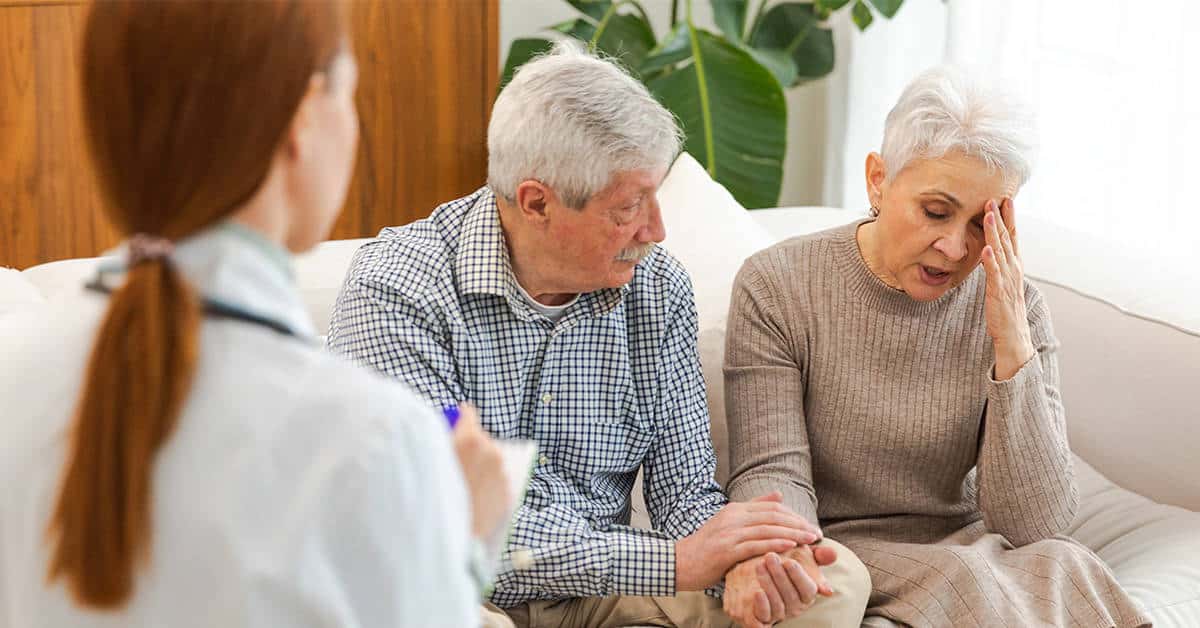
[(213, 308)]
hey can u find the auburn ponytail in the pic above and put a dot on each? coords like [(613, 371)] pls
[(135, 385)]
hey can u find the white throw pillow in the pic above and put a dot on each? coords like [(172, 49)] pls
[(709, 232), (711, 235)]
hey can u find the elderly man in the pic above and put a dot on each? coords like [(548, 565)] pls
[(543, 299)]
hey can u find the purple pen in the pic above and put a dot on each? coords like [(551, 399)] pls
[(451, 414)]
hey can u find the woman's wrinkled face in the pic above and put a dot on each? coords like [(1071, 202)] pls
[(929, 234)]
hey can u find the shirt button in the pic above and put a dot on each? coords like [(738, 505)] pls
[(547, 398), (543, 460), (522, 560)]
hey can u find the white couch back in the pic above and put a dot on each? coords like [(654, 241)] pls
[(1128, 385)]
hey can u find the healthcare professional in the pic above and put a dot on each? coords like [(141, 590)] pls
[(175, 448)]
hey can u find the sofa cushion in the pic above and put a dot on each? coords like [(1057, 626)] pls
[(321, 272), (1152, 549), (54, 279), (16, 293)]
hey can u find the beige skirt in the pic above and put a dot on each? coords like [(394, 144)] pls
[(972, 578)]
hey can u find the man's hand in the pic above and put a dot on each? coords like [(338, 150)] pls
[(738, 532), (771, 588)]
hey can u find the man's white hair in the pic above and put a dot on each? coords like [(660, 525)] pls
[(571, 120), (945, 110)]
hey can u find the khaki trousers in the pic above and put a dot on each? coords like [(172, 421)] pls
[(693, 609)]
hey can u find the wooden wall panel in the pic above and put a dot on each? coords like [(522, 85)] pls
[(69, 203), (427, 80), (427, 76), (49, 207), (18, 135)]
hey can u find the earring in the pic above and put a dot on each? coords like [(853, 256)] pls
[(874, 211)]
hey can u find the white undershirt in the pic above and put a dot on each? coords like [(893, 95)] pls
[(552, 312)]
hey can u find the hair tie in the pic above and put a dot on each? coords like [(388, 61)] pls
[(144, 247)]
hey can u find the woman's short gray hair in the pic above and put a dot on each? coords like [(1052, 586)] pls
[(944, 110), (571, 121)]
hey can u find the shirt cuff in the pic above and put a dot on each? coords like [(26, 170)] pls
[(643, 565), (481, 569)]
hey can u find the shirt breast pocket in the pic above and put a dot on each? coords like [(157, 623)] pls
[(587, 442)]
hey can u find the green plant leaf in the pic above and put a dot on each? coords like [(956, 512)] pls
[(887, 7), (733, 112), (830, 5), (519, 52), (578, 28), (730, 16), (784, 25), (862, 15), (779, 62), (593, 8), (814, 56), (627, 38), (675, 47), (793, 27)]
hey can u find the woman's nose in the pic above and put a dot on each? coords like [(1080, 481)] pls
[(952, 245)]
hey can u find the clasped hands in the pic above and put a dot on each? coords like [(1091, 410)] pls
[(765, 553)]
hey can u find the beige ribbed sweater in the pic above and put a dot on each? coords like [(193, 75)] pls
[(878, 416)]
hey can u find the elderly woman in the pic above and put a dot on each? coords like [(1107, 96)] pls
[(897, 379)]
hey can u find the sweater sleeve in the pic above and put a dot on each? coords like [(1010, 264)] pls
[(764, 396), (1026, 479)]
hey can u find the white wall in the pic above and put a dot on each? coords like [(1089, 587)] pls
[(804, 164)]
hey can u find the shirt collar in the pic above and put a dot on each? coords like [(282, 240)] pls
[(482, 265), (240, 268), (271, 252)]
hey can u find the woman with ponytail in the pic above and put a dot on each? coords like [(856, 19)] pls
[(198, 461)]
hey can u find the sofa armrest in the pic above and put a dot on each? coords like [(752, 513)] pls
[(16, 292)]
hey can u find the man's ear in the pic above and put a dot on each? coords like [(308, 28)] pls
[(532, 199)]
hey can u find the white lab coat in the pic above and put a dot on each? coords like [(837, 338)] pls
[(297, 489)]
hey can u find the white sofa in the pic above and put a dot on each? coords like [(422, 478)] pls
[(1127, 383)]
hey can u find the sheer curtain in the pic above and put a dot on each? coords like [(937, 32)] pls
[(1116, 86)]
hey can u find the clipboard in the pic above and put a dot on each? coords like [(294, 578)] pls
[(520, 459)]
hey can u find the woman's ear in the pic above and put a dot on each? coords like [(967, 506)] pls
[(876, 174), (295, 144)]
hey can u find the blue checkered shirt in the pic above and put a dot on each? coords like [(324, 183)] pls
[(613, 386)]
